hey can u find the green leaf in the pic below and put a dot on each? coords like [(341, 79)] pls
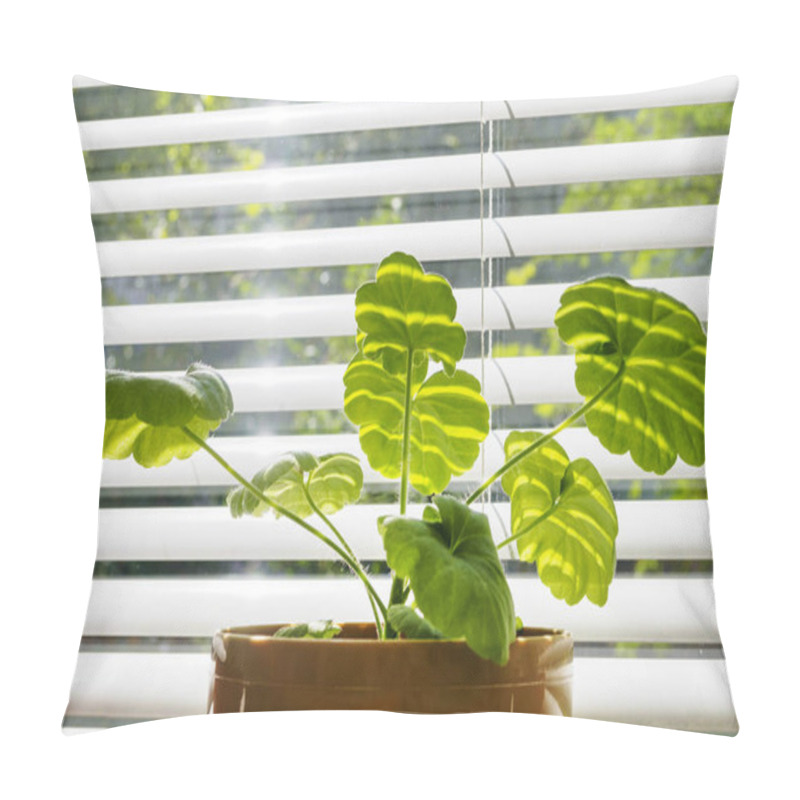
[(405, 620), (408, 313), (333, 482), (144, 414), (407, 309), (323, 629), (455, 573), (449, 420), (658, 348), (281, 481), (564, 517)]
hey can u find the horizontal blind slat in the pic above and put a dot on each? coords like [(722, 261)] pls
[(545, 234), (653, 609), (317, 118), (508, 381), (684, 694), (505, 307), (248, 454), (518, 380), (688, 694), (653, 529), (514, 381), (517, 168)]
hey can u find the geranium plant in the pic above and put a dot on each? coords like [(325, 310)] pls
[(640, 367)]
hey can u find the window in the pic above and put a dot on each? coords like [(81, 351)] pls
[(234, 232)]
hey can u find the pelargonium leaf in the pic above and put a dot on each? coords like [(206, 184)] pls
[(455, 573), (657, 347), (564, 517), (407, 309), (145, 414), (333, 482), (449, 420), (405, 620), (336, 482), (280, 481)]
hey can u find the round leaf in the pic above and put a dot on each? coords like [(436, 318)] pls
[(334, 481), (144, 414), (455, 573), (449, 420), (657, 347), (281, 481), (407, 309), (564, 517)]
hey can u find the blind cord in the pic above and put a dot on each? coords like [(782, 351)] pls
[(483, 295)]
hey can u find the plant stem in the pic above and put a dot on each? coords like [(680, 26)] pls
[(516, 536), (571, 419), (347, 547), (398, 593), (354, 565), (406, 461), (327, 521)]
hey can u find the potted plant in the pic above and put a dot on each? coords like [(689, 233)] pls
[(447, 637)]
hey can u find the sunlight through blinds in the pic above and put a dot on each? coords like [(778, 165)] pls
[(234, 232)]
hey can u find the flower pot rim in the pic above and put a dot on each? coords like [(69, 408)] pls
[(242, 633)]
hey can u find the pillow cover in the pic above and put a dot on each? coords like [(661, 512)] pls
[(357, 314)]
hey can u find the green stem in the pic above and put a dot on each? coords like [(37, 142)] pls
[(354, 565), (406, 461), (347, 547), (526, 530), (327, 521), (397, 597), (570, 420), (398, 593)]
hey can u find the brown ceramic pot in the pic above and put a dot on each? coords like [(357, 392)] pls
[(255, 672)]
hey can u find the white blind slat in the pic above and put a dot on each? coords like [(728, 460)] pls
[(516, 168), (655, 609), (684, 694), (251, 453), (315, 118), (508, 381), (505, 307), (657, 529), (545, 234)]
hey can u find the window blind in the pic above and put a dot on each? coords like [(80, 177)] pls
[(234, 232)]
